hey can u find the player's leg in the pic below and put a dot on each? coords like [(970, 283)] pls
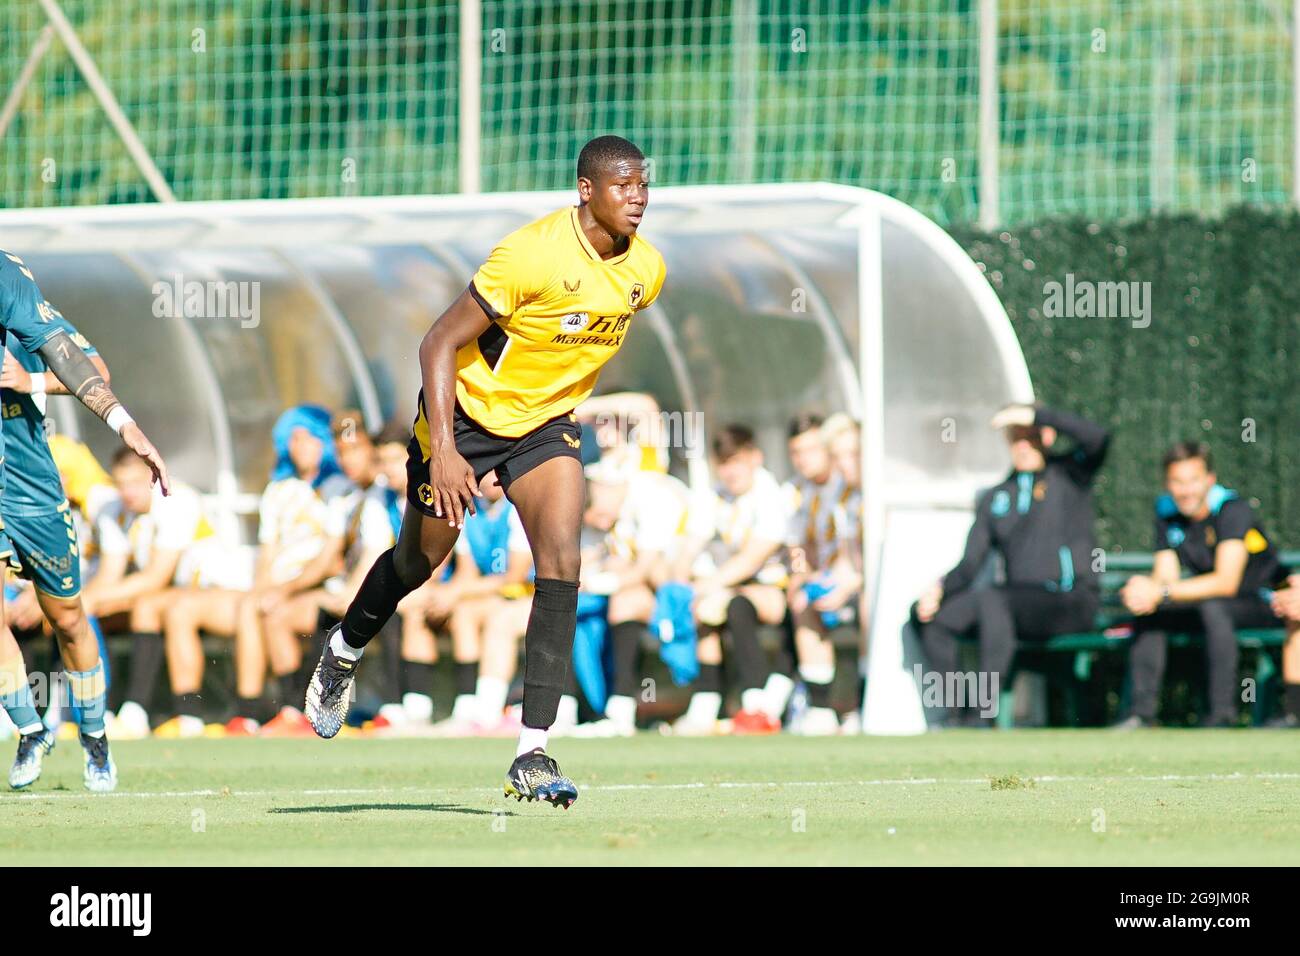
[(816, 656), (502, 631), (466, 625), (705, 705), (630, 610), (84, 669), (956, 615), (34, 739), (753, 604), (283, 628), (422, 544), (193, 611), (419, 652), (549, 498), (148, 654), (1220, 626)]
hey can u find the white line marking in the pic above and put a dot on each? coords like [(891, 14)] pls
[(699, 785)]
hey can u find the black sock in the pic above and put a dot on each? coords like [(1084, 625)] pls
[(548, 649), (709, 681), (625, 637), (375, 602), (466, 674), (254, 708), (819, 695), (293, 688), (1291, 699), (417, 678), (784, 663), (187, 705), (742, 623), (147, 655)]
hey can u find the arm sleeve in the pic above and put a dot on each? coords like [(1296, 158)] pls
[(1235, 519), (1091, 440), (511, 276), (1161, 542), (978, 544), (23, 309)]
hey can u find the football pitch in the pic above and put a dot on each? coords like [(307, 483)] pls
[(962, 797)]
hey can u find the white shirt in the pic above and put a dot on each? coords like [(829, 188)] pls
[(653, 518), (172, 523), (292, 520), (730, 522)]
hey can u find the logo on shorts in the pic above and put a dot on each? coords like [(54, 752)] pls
[(425, 494), (573, 442), (574, 322), (635, 295)]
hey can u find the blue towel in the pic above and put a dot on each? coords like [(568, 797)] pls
[(674, 625), (816, 589), (589, 649)]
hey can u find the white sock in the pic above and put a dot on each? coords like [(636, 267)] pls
[(465, 707), (776, 694), (704, 705), (621, 711), (753, 699), (418, 707), (817, 673), (567, 714), (491, 693), (530, 738), (343, 649)]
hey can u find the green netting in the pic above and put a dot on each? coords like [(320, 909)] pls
[(1106, 108)]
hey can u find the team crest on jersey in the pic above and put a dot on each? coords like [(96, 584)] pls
[(574, 322), (635, 295)]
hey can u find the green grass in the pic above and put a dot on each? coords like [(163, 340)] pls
[(1226, 797)]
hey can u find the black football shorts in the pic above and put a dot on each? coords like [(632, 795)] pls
[(561, 437)]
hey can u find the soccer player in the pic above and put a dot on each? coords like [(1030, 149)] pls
[(732, 560), (38, 524), (642, 517), (1039, 518), (503, 368), (1216, 535)]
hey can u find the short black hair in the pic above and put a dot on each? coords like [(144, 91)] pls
[(603, 152), (731, 440), (803, 422), (1186, 451)]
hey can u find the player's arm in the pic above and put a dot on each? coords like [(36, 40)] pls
[(742, 565), (1230, 557), (113, 590), (74, 369), (14, 376), (313, 573), (450, 475)]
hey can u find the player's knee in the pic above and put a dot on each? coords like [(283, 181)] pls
[(66, 619), (563, 564), (1215, 612)]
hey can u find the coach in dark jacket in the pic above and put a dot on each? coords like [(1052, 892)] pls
[(1040, 520)]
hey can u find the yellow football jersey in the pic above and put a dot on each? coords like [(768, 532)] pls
[(559, 312)]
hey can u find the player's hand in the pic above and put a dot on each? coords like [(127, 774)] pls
[(14, 376), (833, 599), (134, 439), (25, 611), (1141, 595), (797, 600), (1014, 416), (268, 599), (1286, 601), (453, 484), (927, 605)]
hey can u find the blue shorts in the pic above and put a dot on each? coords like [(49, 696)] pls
[(43, 548)]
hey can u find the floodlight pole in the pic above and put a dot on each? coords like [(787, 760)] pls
[(39, 49), (471, 82), (143, 161)]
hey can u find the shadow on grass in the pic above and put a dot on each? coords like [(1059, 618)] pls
[(426, 807)]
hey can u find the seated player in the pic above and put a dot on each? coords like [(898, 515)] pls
[(812, 496), (641, 517), (485, 606), (826, 557), (1286, 605), (147, 546), (844, 436), (628, 429), (1039, 519), (732, 560), (503, 369), (291, 533), (358, 530), (1215, 535), (37, 527)]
